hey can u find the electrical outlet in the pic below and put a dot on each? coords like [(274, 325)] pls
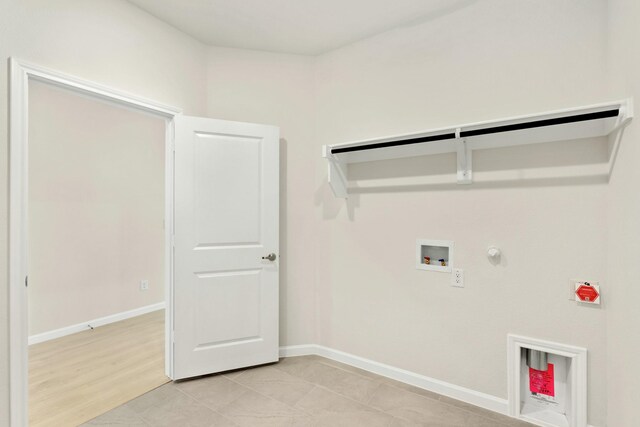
[(144, 285), (457, 278)]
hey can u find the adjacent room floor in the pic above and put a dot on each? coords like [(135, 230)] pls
[(298, 391), (78, 377)]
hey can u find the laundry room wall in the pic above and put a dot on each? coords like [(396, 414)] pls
[(542, 205)]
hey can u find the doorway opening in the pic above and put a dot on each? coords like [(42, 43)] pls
[(93, 223), (96, 259)]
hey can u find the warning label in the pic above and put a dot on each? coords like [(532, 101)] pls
[(541, 382)]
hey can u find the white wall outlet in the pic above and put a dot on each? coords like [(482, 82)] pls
[(457, 278), (144, 285)]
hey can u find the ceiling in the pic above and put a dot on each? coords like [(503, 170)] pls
[(308, 27)]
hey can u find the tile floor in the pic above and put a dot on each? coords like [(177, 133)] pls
[(297, 391)]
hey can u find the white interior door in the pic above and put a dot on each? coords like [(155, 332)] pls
[(226, 221)]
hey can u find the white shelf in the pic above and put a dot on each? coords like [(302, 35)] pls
[(573, 123)]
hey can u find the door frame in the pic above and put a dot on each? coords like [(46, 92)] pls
[(20, 74)]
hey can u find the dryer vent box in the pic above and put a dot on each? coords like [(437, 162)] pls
[(547, 382)]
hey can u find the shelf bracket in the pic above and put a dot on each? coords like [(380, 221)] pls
[(625, 117), (464, 160), (337, 174)]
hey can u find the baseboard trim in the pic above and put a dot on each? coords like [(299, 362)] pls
[(68, 330), (473, 397)]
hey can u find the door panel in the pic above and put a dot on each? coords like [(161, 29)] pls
[(226, 220), (228, 305), (228, 174)]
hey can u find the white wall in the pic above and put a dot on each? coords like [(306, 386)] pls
[(96, 208), (544, 205), (278, 89), (108, 41), (623, 315)]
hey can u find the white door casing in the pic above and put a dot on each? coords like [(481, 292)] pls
[(226, 221), (21, 73)]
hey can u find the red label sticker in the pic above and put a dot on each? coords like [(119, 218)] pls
[(587, 293), (541, 382)]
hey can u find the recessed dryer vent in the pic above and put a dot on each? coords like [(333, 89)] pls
[(547, 382), (434, 255)]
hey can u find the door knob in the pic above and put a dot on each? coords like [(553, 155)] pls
[(270, 257)]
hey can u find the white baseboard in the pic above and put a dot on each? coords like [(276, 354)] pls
[(68, 330), (473, 397)]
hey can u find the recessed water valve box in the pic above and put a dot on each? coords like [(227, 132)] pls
[(434, 255)]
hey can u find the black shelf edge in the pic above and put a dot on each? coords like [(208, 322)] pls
[(484, 131), (398, 143), (542, 123)]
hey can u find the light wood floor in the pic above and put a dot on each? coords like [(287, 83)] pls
[(78, 377)]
